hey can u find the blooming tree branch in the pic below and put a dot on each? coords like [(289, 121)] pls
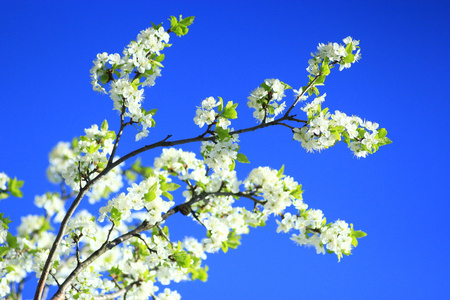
[(133, 255)]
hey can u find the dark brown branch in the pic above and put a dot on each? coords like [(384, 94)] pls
[(119, 134), (310, 85)]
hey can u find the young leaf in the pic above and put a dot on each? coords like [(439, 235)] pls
[(104, 126), (349, 58), (11, 240), (232, 165), (116, 216), (224, 247), (230, 110), (220, 107), (242, 158), (382, 133), (14, 185), (222, 133), (187, 21), (280, 172), (167, 195)]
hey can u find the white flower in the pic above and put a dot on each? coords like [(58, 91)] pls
[(206, 113), (169, 295), (3, 181)]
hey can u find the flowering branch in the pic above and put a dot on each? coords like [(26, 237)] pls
[(89, 167)]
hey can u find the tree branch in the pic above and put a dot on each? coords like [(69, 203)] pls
[(145, 225), (110, 166)]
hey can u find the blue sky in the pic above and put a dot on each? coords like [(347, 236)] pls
[(399, 196)]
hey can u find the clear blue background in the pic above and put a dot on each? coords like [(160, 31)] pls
[(399, 196)]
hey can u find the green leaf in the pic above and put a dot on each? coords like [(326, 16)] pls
[(316, 91), (349, 48), (152, 112), (180, 27), (224, 247), (3, 251), (56, 264), (286, 86), (104, 78), (199, 273), (11, 240), (5, 221), (232, 165), (104, 125), (384, 141), (187, 21), (9, 269), (13, 187), (320, 80), (150, 196), (356, 234), (173, 21), (349, 58), (160, 58), (359, 234), (167, 195), (266, 87), (338, 129), (280, 172), (110, 135), (3, 195), (346, 137), (220, 107), (325, 69), (156, 27), (222, 133), (182, 258), (242, 158), (382, 133), (135, 84), (116, 216), (234, 240), (74, 143), (230, 110), (297, 192), (172, 186)]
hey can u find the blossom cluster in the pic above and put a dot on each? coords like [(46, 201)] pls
[(53, 205), (333, 237), (143, 58), (265, 100), (207, 114), (324, 129), (220, 154), (146, 194), (334, 53), (18, 253), (137, 56), (86, 157)]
